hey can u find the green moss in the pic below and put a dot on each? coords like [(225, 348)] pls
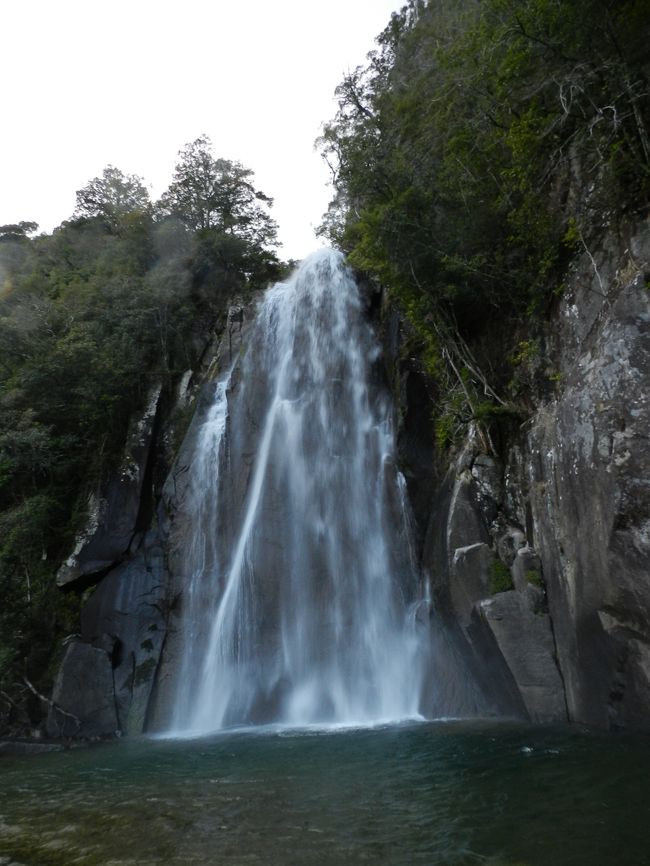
[(488, 412), (572, 236), (144, 672), (500, 577), (555, 378), (534, 577), (527, 352), (445, 431)]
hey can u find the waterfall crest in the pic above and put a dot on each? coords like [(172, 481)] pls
[(300, 587)]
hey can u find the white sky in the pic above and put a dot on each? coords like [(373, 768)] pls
[(86, 83)]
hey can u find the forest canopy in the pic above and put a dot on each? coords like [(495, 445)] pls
[(481, 145)]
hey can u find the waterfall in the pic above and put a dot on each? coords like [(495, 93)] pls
[(300, 595)]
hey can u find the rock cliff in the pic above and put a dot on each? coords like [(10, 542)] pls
[(110, 670), (537, 556)]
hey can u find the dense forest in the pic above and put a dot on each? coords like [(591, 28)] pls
[(480, 148), (119, 296)]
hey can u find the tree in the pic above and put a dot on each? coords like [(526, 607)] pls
[(89, 316), (482, 140), (15, 253), (17, 231), (209, 193), (112, 197)]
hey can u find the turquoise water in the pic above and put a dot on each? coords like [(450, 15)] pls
[(440, 794)]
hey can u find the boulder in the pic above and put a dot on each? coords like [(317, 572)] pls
[(129, 605), (523, 636), (83, 696), (526, 569), (509, 543), (586, 468), (469, 579), (465, 523)]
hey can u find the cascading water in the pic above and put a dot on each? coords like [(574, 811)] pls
[(299, 603)]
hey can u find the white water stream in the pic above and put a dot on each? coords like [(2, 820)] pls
[(299, 608)]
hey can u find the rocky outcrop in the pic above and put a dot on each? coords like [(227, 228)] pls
[(109, 671), (542, 555), (83, 695), (487, 599), (113, 512), (583, 474), (128, 611), (521, 631), (105, 679)]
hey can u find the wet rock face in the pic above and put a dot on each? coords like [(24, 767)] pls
[(566, 514), (84, 704), (108, 672), (113, 512), (488, 587), (128, 608), (521, 630), (178, 489), (585, 471)]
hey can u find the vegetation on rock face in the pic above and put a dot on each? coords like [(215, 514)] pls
[(500, 577), (481, 146), (121, 295)]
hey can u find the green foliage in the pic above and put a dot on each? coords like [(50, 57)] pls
[(534, 578), (209, 193), (144, 672), (475, 150), (527, 351), (116, 198), (113, 300), (572, 236), (500, 577), (445, 430)]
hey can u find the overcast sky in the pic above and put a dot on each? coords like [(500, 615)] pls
[(129, 82)]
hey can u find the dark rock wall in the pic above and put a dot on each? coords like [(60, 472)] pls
[(540, 558), (114, 511), (583, 472), (106, 683)]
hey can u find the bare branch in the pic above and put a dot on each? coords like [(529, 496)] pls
[(52, 704)]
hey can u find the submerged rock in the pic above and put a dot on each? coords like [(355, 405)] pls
[(28, 747)]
